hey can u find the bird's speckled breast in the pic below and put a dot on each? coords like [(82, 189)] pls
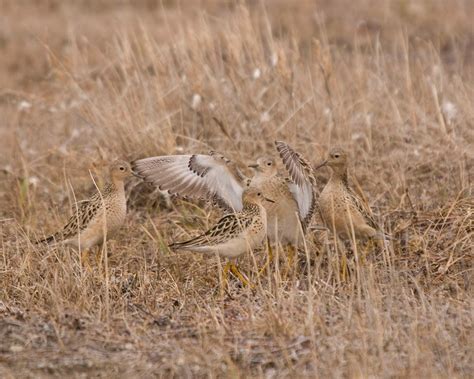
[(116, 210)]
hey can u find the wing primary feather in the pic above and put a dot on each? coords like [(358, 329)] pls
[(197, 176), (301, 174)]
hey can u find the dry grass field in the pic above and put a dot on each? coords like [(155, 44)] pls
[(86, 82)]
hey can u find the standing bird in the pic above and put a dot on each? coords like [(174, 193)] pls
[(99, 217), (285, 224), (214, 177), (235, 233), (342, 210), (301, 183)]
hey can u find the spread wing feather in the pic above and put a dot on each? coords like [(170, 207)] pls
[(303, 181), (197, 176)]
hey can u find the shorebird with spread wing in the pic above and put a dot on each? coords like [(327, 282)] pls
[(214, 177)]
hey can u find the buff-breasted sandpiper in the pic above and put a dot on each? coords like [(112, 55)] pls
[(214, 177), (235, 233), (342, 209), (99, 217)]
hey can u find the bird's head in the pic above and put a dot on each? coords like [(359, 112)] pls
[(255, 195), (337, 159), (119, 170), (264, 165)]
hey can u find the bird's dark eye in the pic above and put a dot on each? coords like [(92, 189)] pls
[(336, 155), (269, 163), (122, 168), (259, 194)]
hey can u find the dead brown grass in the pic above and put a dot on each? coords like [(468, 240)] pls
[(85, 82)]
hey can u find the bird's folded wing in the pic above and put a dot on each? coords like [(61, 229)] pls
[(226, 228), (196, 176), (229, 226), (363, 208), (82, 214), (303, 184)]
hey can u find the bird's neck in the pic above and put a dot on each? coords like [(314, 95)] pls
[(265, 174), (250, 206), (115, 185), (340, 175)]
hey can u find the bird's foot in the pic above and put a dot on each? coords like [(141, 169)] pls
[(344, 274), (85, 260), (235, 271), (291, 255)]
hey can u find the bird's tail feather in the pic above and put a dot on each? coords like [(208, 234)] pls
[(48, 240), (179, 246)]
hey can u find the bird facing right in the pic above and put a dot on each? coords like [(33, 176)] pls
[(100, 216), (216, 178), (285, 222), (341, 208)]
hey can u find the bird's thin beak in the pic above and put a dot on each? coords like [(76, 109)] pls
[(269, 200), (322, 164), (255, 165)]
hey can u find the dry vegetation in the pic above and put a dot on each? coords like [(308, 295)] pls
[(85, 82)]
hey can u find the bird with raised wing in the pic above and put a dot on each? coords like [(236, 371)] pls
[(235, 233), (214, 177), (302, 185), (98, 217)]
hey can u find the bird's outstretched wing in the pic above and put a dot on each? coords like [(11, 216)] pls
[(210, 177), (303, 182)]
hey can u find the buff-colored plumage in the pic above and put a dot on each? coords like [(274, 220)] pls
[(215, 177), (342, 209), (98, 217), (297, 195), (235, 233)]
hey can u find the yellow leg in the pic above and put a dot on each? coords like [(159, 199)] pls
[(376, 243), (343, 267), (98, 257), (270, 251), (86, 260), (362, 256), (290, 259), (240, 276), (341, 249), (234, 270), (269, 258), (291, 256), (225, 272)]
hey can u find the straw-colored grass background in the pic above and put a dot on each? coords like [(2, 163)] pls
[(86, 82)]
